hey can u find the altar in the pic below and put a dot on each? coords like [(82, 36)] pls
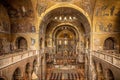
[(64, 67)]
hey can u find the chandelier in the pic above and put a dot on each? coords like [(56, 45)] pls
[(62, 0), (65, 18)]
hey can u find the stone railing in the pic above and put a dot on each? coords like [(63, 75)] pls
[(6, 60), (111, 58)]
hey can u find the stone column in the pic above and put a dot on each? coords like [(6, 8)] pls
[(93, 72), (86, 68), (90, 65), (38, 66), (44, 68), (39, 70), (29, 75)]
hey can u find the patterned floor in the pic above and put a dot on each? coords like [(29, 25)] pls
[(66, 75)]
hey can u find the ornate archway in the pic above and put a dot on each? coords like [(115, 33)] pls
[(21, 43), (17, 74), (49, 29), (110, 75), (109, 44)]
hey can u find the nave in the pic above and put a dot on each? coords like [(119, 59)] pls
[(65, 72), (59, 39)]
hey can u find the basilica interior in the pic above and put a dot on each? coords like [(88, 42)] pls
[(59, 39)]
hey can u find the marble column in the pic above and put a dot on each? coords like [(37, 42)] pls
[(44, 68), (40, 69), (29, 75), (86, 68)]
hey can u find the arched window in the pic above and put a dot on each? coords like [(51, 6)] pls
[(110, 75), (109, 44), (21, 43), (17, 74)]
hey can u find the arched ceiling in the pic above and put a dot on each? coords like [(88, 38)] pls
[(29, 11), (65, 15), (63, 30), (65, 34), (24, 12), (86, 5), (35, 16)]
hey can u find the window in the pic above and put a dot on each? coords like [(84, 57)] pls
[(109, 44)]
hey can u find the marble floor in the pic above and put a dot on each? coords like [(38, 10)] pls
[(65, 73)]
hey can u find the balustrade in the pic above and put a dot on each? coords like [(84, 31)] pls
[(6, 60), (108, 56)]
